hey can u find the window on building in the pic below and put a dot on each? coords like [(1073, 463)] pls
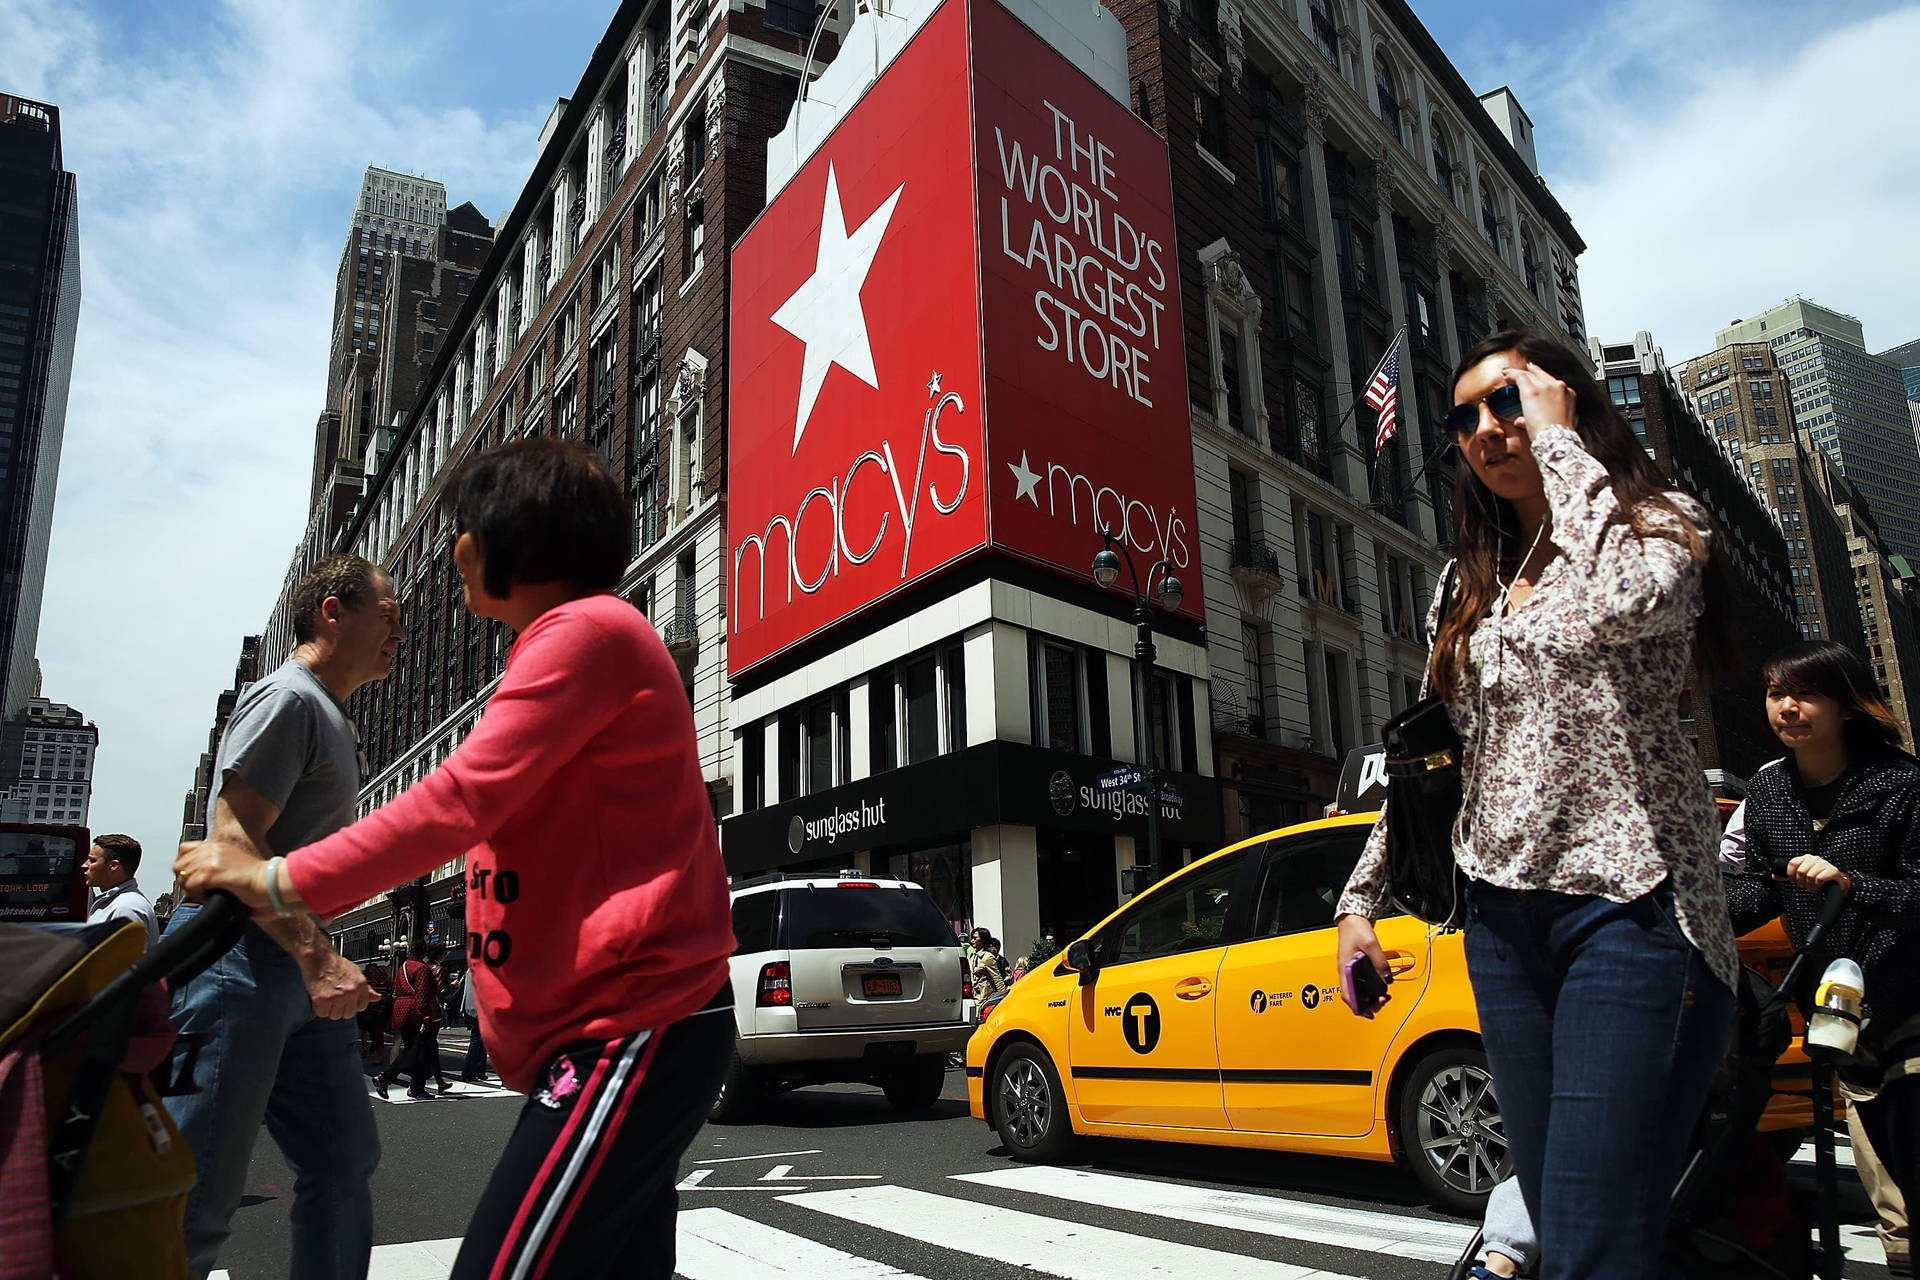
[(696, 145), (1530, 268), (1388, 92), (1059, 697), (1229, 340), (1624, 390), (883, 729), (1442, 159), (696, 242), (1203, 21), (1282, 179), (1253, 656), (795, 17), (564, 410), (1489, 218), (1210, 114), (1299, 291), (920, 698), (1336, 668), (1326, 31), (817, 752), (953, 671)]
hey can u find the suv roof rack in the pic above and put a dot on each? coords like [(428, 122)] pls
[(776, 877)]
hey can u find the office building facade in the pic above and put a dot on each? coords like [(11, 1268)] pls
[(54, 770), (1852, 404), (1723, 710), (39, 321)]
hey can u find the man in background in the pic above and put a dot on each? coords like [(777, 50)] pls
[(110, 867)]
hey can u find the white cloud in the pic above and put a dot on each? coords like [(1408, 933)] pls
[(1719, 157), (215, 178)]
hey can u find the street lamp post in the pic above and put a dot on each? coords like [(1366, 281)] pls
[(1167, 591)]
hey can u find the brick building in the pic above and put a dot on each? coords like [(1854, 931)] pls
[(598, 314), (1335, 181), (1741, 393), (1724, 711), (1848, 585)]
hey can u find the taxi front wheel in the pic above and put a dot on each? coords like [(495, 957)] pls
[(1029, 1108)]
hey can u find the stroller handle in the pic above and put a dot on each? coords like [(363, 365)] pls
[(179, 956)]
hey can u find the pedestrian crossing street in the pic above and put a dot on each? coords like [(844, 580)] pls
[(462, 1091), (1048, 1235)]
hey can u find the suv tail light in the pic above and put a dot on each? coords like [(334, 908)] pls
[(776, 986), (966, 986), (857, 884)]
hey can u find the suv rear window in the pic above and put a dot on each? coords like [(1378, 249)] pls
[(822, 918)]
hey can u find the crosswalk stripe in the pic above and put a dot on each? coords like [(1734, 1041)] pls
[(1842, 1155), (713, 1244), (1401, 1236), (415, 1260), (1071, 1250)]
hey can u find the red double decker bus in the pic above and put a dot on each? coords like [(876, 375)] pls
[(41, 875)]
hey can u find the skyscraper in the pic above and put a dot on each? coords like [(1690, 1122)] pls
[(396, 214), (39, 317), (1851, 403)]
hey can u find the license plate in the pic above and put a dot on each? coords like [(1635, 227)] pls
[(875, 985)]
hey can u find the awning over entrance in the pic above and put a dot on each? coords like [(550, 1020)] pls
[(995, 783)]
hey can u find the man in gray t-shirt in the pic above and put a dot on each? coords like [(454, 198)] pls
[(277, 1010)]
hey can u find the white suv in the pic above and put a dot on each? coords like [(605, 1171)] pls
[(842, 977)]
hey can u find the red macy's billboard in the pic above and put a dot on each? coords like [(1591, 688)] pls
[(956, 330)]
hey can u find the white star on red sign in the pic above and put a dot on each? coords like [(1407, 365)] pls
[(825, 312), (1026, 481)]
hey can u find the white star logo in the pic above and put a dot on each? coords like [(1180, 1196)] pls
[(825, 312), (1026, 481)]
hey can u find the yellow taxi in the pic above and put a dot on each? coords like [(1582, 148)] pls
[(1208, 1010)]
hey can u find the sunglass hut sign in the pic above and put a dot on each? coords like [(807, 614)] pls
[(933, 359)]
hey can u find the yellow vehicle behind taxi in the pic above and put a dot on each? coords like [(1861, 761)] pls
[(1208, 1010)]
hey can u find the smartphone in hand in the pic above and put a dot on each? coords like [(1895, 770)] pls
[(1362, 986)]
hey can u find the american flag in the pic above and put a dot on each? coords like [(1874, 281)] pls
[(1383, 393)]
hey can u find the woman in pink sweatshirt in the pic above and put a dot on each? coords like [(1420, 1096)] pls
[(597, 907)]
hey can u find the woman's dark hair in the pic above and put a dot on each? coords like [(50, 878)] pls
[(544, 510), (1831, 670), (436, 951), (417, 949), (1486, 530)]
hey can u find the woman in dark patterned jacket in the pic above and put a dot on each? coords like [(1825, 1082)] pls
[(1846, 806), (1597, 939)]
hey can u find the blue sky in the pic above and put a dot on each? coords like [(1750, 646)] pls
[(220, 143)]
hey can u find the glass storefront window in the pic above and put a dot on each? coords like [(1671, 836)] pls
[(923, 710)]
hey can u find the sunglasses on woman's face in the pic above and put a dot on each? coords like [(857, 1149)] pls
[(1503, 403)]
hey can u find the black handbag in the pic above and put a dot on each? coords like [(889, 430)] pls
[(1423, 757)]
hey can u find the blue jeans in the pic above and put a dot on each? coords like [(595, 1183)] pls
[(268, 1059), (1604, 1028)]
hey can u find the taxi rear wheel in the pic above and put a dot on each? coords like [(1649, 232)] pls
[(1029, 1107), (1451, 1132)]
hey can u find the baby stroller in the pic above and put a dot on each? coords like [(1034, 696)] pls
[(95, 1173), (1710, 1234)]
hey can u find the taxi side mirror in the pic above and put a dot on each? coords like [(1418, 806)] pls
[(1080, 960)]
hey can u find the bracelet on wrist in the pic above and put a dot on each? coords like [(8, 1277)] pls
[(273, 887)]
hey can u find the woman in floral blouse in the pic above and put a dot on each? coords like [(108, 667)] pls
[(1598, 939)]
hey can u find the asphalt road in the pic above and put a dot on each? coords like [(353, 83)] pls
[(830, 1183)]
